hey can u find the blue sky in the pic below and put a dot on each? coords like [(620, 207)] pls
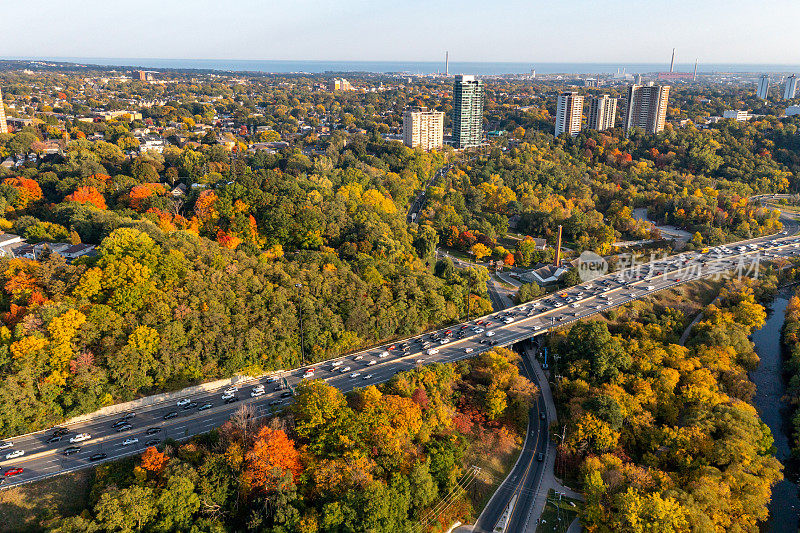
[(731, 31)]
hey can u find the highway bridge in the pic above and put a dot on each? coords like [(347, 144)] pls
[(200, 412)]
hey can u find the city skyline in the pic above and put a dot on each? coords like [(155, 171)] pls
[(312, 30)]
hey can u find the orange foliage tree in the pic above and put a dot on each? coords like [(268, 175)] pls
[(142, 192), (29, 191), (153, 460), (87, 195), (272, 456)]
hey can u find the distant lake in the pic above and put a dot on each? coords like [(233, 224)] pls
[(411, 67)]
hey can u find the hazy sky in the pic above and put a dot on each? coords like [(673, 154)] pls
[(730, 31)]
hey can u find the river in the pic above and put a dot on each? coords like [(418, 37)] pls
[(768, 377)]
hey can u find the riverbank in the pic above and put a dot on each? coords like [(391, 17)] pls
[(770, 389)]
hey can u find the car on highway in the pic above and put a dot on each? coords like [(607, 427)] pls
[(344, 369), (152, 431), (309, 373), (232, 400), (190, 405), (124, 427), (432, 351), (71, 450), (358, 358), (372, 362), (119, 422), (5, 445), (287, 394), (183, 401), (336, 363), (257, 391), (98, 456), (540, 457), (508, 320), (13, 472), (128, 415), (128, 442), (228, 395), (231, 390), (468, 349), (383, 354), (54, 438), (170, 415), (272, 379), (15, 454), (490, 333), (354, 375), (205, 407), (478, 330), (80, 437), (444, 341), (368, 376), (152, 442)]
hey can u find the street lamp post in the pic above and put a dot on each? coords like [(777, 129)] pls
[(300, 316)]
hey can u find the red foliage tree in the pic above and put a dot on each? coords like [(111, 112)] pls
[(87, 195)]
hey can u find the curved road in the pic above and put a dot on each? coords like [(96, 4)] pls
[(43, 459)]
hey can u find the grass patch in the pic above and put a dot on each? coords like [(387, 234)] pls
[(23, 508), (558, 513)]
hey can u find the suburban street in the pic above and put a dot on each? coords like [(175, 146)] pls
[(42, 459)]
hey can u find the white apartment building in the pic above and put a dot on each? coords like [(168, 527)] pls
[(423, 128), (602, 112), (569, 113)]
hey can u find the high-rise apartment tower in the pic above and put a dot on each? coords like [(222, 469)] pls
[(423, 128), (646, 107), (569, 113), (602, 112), (467, 112)]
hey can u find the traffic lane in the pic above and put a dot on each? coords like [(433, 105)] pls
[(558, 311), (179, 428), (36, 443)]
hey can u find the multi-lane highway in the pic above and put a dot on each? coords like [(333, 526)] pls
[(43, 459)]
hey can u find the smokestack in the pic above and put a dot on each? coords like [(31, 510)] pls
[(694, 76), (558, 248), (447, 63), (672, 63)]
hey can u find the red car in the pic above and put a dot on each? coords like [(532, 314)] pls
[(448, 332), (464, 327), (392, 347), (13, 471)]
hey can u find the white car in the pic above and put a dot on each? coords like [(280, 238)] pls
[(358, 358), (537, 328), (576, 304), (368, 376), (384, 354), (336, 363), (354, 375), (344, 369), (469, 350), (444, 341), (257, 391), (479, 330), (227, 396), (183, 401), (231, 390), (490, 333), (80, 437), (128, 442), (508, 320), (432, 351), (15, 454), (6, 445), (372, 362)]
